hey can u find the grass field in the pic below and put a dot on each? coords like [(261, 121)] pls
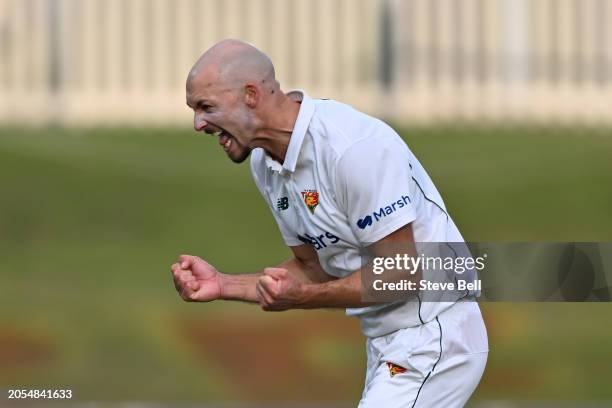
[(91, 219)]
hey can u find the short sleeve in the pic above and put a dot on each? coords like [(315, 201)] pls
[(375, 185), (289, 237)]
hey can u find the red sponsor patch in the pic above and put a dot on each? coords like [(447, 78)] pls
[(395, 369)]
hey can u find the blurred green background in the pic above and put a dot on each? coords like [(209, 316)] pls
[(92, 218)]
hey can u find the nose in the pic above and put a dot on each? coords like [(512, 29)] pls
[(198, 122)]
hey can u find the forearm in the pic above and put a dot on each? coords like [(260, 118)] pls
[(346, 292), (341, 293), (305, 272), (239, 287), (281, 290), (242, 286)]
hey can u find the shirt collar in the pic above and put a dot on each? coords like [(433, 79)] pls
[(299, 131)]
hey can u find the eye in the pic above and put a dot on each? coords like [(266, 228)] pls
[(205, 107)]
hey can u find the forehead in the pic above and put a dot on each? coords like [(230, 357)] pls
[(202, 84)]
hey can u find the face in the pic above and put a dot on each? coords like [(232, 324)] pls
[(221, 111)]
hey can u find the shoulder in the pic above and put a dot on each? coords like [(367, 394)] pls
[(350, 136)]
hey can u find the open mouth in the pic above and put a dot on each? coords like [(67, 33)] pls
[(225, 139)]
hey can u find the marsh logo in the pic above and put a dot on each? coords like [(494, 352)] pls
[(364, 222), (319, 241), (382, 212)]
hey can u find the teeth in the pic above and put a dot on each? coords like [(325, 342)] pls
[(227, 144)]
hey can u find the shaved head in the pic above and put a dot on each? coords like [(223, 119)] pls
[(235, 96), (233, 63)]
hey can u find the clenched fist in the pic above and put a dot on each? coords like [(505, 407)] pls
[(278, 290), (196, 280)]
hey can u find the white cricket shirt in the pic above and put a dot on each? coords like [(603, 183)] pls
[(349, 180)]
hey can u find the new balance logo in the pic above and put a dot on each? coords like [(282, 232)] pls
[(282, 204)]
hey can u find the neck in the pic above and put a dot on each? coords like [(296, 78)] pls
[(274, 137)]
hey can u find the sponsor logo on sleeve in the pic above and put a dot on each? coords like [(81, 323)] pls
[(383, 211), (364, 222)]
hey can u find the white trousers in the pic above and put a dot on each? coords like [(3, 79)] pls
[(437, 364)]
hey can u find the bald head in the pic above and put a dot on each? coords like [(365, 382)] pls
[(233, 63), (234, 94)]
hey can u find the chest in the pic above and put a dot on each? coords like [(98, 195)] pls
[(306, 203)]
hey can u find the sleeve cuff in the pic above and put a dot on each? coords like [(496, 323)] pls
[(377, 234)]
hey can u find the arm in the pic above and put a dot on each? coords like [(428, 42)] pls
[(278, 291), (197, 280)]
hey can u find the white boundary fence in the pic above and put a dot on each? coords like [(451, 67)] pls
[(109, 61)]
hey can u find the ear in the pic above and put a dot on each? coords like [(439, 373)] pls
[(251, 95)]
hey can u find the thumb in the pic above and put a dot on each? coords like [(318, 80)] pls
[(186, 261), (270, 284)]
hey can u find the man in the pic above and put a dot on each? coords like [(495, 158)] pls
[(327, 171)]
